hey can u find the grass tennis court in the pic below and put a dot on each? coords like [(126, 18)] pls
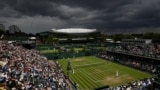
[(92, 72)]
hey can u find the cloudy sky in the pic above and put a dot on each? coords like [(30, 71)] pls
[(110, 16)]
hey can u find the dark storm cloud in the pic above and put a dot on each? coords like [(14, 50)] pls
[(28, 8), (106, 15), (140, 14)]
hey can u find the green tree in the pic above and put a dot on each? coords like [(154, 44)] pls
[(49, 40), (2, 32), (118, 37), (72, 50), (55, 40)]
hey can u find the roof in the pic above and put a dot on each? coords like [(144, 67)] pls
[(74, 30)]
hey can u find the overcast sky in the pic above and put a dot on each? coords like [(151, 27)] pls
[(110, 16)]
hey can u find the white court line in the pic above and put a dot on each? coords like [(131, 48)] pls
[(112, 79), (87, 64), (88, 76), (102, 71), (112, 69)]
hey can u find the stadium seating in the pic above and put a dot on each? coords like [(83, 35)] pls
[(136, 56), (24, 69)]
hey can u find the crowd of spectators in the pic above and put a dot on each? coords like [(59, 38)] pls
[(144, 84), (147, 50), (129, 62), (24, 69)]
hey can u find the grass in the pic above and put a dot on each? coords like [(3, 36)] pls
[(92, 72), (48, 51), (78, 49)]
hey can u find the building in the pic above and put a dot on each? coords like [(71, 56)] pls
[(73, 35), (74, 31), (2, 27), (13, 29), (137, 41)]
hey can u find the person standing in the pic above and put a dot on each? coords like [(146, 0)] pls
[(117, 73)]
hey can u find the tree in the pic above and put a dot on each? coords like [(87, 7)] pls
[(72, 50), (2, 32), (49, 40), (55, 40), (118, 37), (148, 35), (103, 37)]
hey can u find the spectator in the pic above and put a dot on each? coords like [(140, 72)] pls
[(26, 69)]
